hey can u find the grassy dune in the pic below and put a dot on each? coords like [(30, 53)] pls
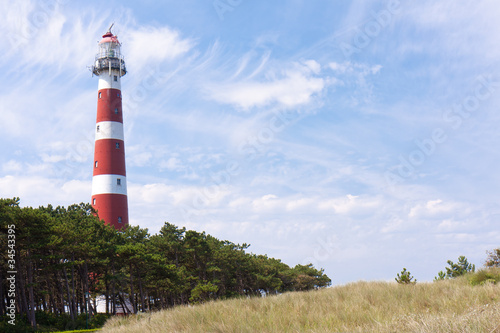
[(445, 306)]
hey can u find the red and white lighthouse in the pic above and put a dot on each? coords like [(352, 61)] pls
[(109, 182)]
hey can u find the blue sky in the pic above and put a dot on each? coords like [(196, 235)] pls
[(360, 136)]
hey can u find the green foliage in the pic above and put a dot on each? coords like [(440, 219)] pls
[(441, 276), (460, 268), (48, 322), (405, 277), (308, 278), (202, 292), (20, 325), (485, 276)]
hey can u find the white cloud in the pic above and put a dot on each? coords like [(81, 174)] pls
[(66, 39), (351, 204), (436, 29), (357, 68), (38, 190), (313, 65), (433, 208), (53, 36), (77, 186), (375, 69), (450, 225), (11, 166), (150, 193), (299, 204), (54, 158), (196, 197), (295, 86), (394, 224), (172, 163), (148, 46), (267, 202), (138, 158), (340, 67), (239, 203)]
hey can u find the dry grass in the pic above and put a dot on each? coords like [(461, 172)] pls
[(445, 306)]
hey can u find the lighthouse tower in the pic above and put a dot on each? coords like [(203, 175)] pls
[(109, 182)]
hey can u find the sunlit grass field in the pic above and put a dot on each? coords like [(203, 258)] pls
[(445, 306)]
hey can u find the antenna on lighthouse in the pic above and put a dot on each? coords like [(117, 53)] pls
[(111, 26)]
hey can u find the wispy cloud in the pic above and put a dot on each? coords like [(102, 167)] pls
[(146, 47), (289, 88)]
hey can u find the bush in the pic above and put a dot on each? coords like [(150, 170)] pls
[(484, 276), (21, 325), (98, 320), (50, 322)]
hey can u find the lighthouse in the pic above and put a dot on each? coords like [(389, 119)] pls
[(109, 182)]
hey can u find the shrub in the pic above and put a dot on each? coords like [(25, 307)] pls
[(484, 276)]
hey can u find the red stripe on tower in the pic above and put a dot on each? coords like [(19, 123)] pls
[(109, 182)]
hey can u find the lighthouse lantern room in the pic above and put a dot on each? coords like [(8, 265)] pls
[(109, 182)]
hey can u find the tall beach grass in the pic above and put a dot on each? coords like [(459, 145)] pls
[(443, 306)]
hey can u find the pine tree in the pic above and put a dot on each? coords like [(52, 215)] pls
[(460, 268), (405, 277)]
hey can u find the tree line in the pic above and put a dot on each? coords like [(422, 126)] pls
[(66, 257)]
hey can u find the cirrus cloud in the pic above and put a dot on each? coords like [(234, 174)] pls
[(290, 88)]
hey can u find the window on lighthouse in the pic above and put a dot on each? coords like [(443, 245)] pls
[(96, 164), (117, 145), (115, 78), (119, 182), (119, 219)]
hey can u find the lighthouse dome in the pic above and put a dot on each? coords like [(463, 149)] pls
[(109, 38)]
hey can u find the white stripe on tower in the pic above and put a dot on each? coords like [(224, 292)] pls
[(109, 182), (109, 130), (108, 82)]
